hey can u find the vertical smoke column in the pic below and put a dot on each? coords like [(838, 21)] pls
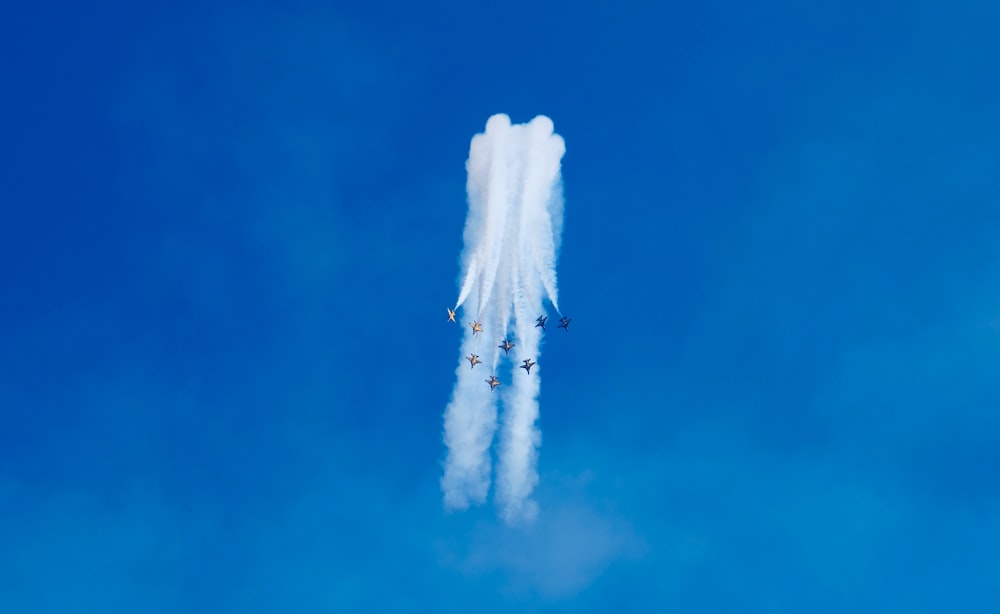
[(532, 270), (471, 417), (511, 242)]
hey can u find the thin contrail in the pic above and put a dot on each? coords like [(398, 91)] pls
[(508, 267)]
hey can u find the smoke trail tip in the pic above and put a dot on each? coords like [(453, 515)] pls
[(521, 514), (544, 123), (497, 122)]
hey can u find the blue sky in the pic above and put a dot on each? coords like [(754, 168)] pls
[(230, 232)]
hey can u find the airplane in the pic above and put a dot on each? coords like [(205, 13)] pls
[(476, 327), (540, 322), (473, 360), (451, 315), (493, 382), (564, 322), (528, 364), (506, 345)]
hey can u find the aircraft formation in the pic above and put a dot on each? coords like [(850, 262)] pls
[(506, 344)]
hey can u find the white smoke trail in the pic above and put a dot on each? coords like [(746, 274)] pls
[(469, 424), (511, 242)]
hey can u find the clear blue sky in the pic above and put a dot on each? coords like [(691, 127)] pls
[(230, 231)]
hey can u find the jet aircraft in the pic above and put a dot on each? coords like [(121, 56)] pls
[(564, 322), (451, 315), (476, 327), (505, 345), (528, 364), (473, 361), (493, 382), (540, 322)]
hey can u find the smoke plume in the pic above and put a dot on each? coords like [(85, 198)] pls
[(508, 263)]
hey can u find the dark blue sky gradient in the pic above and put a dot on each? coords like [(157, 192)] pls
[(230, 231)]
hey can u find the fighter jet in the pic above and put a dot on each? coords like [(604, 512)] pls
[(564, 322), (451, 315), (540, 322), (528, 364), (493, 382), (476, 327), (473, 360), (505, 345)]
